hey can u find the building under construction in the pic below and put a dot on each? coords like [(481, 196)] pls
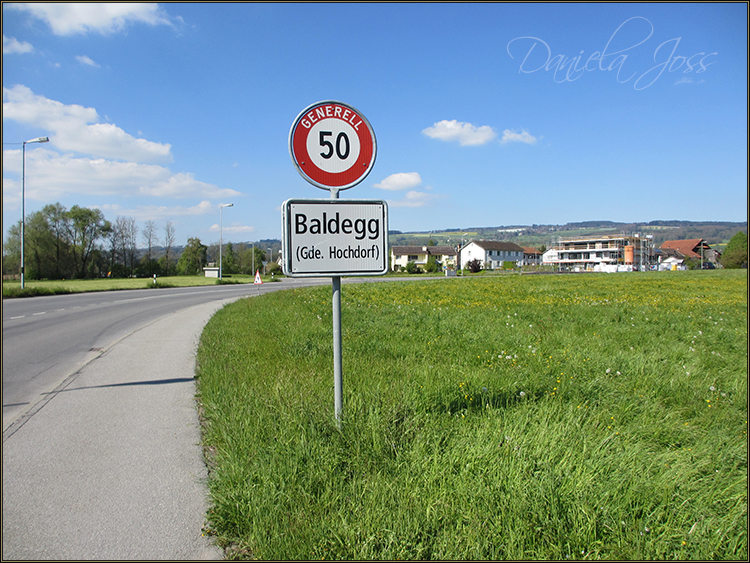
[(597, 252)]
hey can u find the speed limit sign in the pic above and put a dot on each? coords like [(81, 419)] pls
[(332, 145)]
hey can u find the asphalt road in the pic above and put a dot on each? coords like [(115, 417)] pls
[(101, 438), (46, 339)]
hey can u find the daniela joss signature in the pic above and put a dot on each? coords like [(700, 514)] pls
[(568, 69)]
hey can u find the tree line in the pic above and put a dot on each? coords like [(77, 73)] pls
[(80, 243)]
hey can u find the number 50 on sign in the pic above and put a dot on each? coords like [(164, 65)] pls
[(332, 145)]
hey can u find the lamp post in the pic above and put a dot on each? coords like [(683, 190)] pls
[(23, 203), (221, 232), (460, 262)]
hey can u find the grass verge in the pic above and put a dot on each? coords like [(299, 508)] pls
[(12, 289), (600, 416)]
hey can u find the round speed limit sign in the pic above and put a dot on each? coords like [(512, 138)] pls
[(332, 145)]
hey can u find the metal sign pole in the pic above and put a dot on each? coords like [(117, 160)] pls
[(337, 370)]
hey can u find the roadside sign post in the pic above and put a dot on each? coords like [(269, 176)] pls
[(333, 147)]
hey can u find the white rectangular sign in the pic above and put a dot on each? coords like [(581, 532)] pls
[(334, 237)]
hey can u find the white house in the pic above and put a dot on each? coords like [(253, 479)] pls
[(550, 257), (491, 253)]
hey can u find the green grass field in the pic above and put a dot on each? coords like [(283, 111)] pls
[(593, 416)]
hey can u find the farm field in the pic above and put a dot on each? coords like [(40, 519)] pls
[(592, 416)]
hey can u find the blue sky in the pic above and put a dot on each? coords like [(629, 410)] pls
[(485, 114)]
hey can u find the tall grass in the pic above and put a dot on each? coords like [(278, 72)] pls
[(535, 417)]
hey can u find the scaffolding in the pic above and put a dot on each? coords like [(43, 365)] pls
[(590, 252)]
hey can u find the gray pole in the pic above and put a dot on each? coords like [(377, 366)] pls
[(221, 232), (221, 236), (337, 370), (23, 204), (23, 212)]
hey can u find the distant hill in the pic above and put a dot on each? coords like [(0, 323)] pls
[(716, 233)]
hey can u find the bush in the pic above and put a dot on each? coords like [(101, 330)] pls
[(474, 266), (412, 268), (273, 268)]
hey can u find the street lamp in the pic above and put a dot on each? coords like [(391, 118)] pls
[(221, 232), (23, 202), (460, 263)]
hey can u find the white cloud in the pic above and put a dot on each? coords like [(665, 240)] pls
[(400, 181), (75, 128), (414, 198), (232, 228), (515, 137), (58, 176), (84, 60), (66, 18), (465, 133), (13, 45), (687, 80), (159, 212)]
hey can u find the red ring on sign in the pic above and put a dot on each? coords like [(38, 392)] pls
[(298, 145)]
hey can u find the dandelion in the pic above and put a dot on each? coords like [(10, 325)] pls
[(712, 388), (522, 394), (608, 370)]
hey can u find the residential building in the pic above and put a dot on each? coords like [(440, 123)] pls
[(401, 255), (695, 249), (491, 253), (531, 256)]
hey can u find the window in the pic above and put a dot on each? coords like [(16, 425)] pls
[(412, 257)]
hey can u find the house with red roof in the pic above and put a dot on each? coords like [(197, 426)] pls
[(695, 249), (531, 256), (688, 248)]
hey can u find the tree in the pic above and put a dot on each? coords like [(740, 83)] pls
[(87, 227), (59, 226), (39, 256), (12, 251), (227, 259), (130, 243), (149, 237), (122, 239), (193, 258), (432, 265), (168, 242), (735, 254), (60, 243), (249, 259)]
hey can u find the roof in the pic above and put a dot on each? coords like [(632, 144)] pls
[(529, 250), (496, 245), (430, 250), (689, 248)]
